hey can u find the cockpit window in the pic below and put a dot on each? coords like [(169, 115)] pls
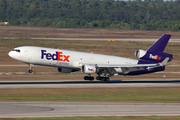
[(17, 50)]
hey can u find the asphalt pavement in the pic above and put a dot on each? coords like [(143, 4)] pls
[(69, 109)]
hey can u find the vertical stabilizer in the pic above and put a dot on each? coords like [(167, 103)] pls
[(155, 53), (160, 45)]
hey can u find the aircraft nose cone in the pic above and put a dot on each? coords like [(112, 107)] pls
[(10, 54)]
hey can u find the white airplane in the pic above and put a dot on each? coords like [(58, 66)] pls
[(151, 60)]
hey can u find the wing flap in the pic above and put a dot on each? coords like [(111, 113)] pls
[(130, 69), (124, 65)]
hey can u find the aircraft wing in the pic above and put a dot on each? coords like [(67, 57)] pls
[(163, 63), (123, 65), (126, 68)]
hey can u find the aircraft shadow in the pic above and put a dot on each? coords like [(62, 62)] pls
[(92, 82)]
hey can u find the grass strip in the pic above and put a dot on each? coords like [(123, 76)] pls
[(130, 95)]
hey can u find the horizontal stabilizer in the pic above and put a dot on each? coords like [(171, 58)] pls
[(163, 63)]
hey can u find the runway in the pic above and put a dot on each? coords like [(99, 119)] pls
[(74, 109), (69, 109), (88, 84), (100, 39)]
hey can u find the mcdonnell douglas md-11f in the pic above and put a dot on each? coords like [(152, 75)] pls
[(150, 60)]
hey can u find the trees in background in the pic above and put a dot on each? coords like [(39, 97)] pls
[(147, 15)]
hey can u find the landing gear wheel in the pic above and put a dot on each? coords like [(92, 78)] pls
[(30, 71), (91, 78), (106, 79), (88, 78), (98, 78), (102, 78)]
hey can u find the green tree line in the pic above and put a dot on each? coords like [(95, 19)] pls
[(146, 15)]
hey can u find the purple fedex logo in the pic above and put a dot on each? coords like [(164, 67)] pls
[(56, 56)]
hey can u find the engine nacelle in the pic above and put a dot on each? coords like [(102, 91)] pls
[(140, 53), (65, 70), (155, 57), (89, 69)]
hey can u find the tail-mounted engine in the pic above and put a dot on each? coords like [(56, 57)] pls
[(155, 57), (89, 69)]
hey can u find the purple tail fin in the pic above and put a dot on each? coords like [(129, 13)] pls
[(160, 45), (155, 53)]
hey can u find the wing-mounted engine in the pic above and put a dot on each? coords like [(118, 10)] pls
[(154, 57), (67, 70), (89, 69)]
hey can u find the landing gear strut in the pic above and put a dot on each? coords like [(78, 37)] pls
[(90, 78), (105, 78)]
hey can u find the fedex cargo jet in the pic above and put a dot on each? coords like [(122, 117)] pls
[(150, 60)]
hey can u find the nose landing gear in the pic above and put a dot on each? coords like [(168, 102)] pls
[(30, 69)]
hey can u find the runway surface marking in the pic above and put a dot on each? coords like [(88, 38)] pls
[(88, 84), (67, 109)]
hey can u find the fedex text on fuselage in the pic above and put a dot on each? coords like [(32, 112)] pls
[(59, 56)]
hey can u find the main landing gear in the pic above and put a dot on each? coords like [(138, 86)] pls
[(90, 78), (102, 78)]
